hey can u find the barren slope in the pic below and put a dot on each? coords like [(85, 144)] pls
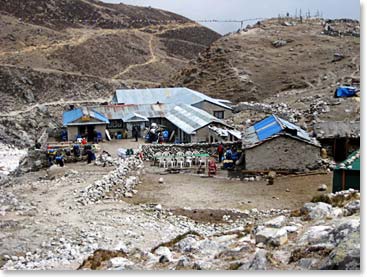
[(64, 48), (246, 66)]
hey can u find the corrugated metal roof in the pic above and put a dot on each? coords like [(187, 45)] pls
[(134, 117), (351, 163), (235, 133), (186, 117), (163, 95), (122, 111), (189, 119), (70, 116), (273, 126)]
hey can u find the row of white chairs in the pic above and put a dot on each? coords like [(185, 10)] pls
[(181, 159)]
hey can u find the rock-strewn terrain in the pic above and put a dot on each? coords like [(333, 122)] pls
[(112, 234), (270, 58)]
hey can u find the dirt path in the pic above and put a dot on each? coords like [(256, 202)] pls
[(55, 103), (183, 190), (153, 59), (77, 37)]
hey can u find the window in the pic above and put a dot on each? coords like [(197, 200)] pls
[(219, 114)]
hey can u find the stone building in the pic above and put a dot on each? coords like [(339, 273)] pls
[(276, 144), (339, 138), (84, 122)]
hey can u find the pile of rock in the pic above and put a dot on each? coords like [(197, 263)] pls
[(55, 253), (105, 159), (281, 109), (118, 183), (322, 236), (9, 202), (10, 156)]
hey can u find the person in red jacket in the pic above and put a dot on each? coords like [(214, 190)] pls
[(220, 151), (84, 141)]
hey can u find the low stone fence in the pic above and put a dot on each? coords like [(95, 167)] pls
[(149, 150), (117, 184)]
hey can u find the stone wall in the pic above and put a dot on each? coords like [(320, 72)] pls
[(150, 149), (282, 153)]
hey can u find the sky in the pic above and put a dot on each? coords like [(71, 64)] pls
[(248, 9)]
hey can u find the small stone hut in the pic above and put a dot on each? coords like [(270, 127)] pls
[(276, 144)]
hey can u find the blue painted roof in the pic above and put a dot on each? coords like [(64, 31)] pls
[(273, 126), (70, 116)]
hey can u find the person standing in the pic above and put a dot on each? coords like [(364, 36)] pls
[(59, 159), (90, 155), (220, 151), (135, 133)]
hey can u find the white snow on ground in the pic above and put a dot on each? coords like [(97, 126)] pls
[(10, 157)]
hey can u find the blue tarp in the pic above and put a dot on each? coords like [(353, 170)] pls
[(345, 91)]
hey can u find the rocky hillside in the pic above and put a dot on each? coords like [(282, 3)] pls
[(87, 48), (78, 218), (275, 57)]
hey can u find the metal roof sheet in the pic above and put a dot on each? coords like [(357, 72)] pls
[(273, 126), (189, 119), (186, 117), (163, 95), (138, 118)]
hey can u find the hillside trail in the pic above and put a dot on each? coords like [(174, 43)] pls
[(54, 103), (77, 37), (153, 57)]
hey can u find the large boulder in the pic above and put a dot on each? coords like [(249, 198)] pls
[(260, 261), (165, 255), (317, 210), (120, 263), (187, 244), (276, 222), (346, 256), (317, 235), (352, 207), (272, 236)]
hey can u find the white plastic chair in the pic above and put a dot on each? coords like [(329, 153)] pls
[(180, 161), (162, 161), (203, 160), (156, 157), (188, 159), (170, 161), (195, 158)]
